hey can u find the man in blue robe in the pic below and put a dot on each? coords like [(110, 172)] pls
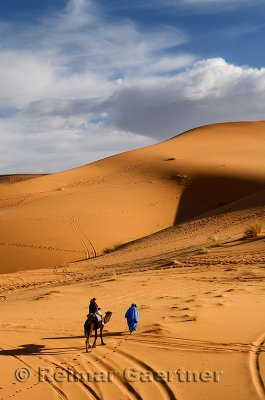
[(132, 315)]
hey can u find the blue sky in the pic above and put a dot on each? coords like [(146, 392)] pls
[(84, 79)]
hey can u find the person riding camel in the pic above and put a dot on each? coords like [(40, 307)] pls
[(95, 309)]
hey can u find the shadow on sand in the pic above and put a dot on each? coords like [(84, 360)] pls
[(34, 349), (214, 193), (107, 334)]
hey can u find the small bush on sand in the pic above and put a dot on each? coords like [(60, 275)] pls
[(177, 262), (203, 250), (107, 250), (112, 277), (253, 231), (181, 179), (215, 240), (110, 249)]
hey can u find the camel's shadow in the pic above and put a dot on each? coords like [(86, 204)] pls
[(24, 349), (106, 334), (35, 349)]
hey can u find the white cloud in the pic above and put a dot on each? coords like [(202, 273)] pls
[(171, 63), (50, 144), (53, 76), (79, 54), (78, 87), (210, 91)]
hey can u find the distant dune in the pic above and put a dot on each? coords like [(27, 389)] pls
[(75, 215)]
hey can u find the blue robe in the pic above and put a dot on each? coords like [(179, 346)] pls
[(132, 315)]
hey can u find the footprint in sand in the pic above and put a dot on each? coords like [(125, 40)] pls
[(187, 318), (144, 307)]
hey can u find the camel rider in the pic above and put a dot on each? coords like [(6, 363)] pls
[(95, 309)]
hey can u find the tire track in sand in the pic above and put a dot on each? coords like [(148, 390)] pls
[(61, 270), (75, 223), (124, 386), (172, 343), (162, 385), (254, 364), (159, 387), (89, 390), (85, 236), (58, 391), (75, 227)]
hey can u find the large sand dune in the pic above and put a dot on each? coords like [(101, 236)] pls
[(201, 301), (73, 215)]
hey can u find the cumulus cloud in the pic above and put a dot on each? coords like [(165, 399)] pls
[(77, 87), (210, 91), (49, 144), (55, 74)]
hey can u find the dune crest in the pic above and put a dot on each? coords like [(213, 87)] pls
[(81, 213)]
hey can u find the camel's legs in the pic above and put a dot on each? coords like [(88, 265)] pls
[(101, 337), (88, 334), (96, 336)]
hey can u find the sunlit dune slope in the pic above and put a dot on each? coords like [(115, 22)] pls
[(74, 215)]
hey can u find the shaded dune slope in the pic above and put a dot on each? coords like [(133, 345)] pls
[(188, 240), (75, 214)]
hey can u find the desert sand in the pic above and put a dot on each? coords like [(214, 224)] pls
[(201, 300)]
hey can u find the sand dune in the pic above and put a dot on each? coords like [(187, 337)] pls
[(15, 178), (201, 301), (76, 214)]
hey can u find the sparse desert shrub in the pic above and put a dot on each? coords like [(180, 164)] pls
[(112, 277), (177, 262), (181, 179), (215, 240), (204, 250), (107, 250), (110, 249), (253, 230)]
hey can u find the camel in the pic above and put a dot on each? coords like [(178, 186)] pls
[(92, 324)]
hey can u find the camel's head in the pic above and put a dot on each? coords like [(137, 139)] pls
[(107, 316)]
